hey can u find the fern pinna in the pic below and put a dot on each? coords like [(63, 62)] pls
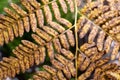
[(60, 40)]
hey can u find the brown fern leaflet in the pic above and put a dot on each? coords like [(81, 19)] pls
[(61, 40)]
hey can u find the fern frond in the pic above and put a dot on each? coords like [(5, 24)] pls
[(29, 54), (22, 20), (60, 40), (103, 15), (62, 67), (103, 41)]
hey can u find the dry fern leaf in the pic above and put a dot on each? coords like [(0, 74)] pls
[(29, 54), (62, 68), (100, 72), (92, 61), (9, 64), (24, 60), (104, 15), (56, 44), (96, 39), (94, 69), (34, 55), (22, 20), (113, 74), (103, 41)]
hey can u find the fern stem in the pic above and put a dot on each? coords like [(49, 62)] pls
[(76, 36)]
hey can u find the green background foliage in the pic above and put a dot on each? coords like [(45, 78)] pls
[(5, 3)]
